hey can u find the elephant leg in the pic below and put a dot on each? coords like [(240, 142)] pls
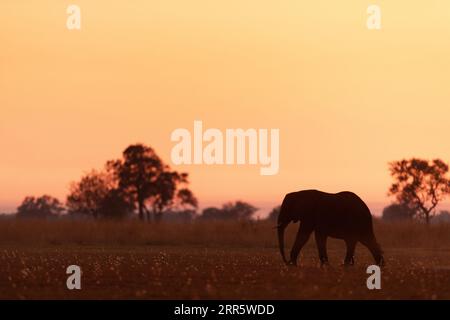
[(374, 249), (302, 237), (321, 241), (349, 257)]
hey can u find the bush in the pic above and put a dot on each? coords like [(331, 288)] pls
[(397, 212)]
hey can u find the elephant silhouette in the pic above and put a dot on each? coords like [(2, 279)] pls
[(340, 215)]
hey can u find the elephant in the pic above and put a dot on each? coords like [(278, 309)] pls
[(340, 215)]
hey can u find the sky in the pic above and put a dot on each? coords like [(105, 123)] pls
[(347, 100)]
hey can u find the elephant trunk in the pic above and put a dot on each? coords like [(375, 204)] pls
[(281, 228)]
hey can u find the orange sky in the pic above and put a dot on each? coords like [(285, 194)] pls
[(347, 100)]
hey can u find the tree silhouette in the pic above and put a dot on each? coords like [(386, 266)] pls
[(212, 213), (186, 198), (139, 180), (273, 215), (179, 215), (238, 210), (87, 196), (97, 195), (115, 205), (420, 184), (145, 180), (442, 217), (137, 173), (398, 212), (40, 207), (165, 186)]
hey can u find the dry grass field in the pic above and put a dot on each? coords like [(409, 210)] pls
[(222, 260)]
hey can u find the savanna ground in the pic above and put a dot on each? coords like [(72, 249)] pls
[(220, 260)]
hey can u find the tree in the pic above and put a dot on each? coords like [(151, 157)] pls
[(398, 212), (115, 205), (87, 195), (211, 213), (97, 195), (273, 215), (187, 199), (420, 184), (238, 210), (40, 207), (442, 217), (179, 215), (145, 180), (166, 192)]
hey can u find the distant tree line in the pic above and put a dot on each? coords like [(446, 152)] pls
[(50, 208), (140, 184), (40, 207), (238, 210), (397, 212)]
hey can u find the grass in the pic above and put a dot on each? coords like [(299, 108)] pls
[(211, 260), (199, 233)]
